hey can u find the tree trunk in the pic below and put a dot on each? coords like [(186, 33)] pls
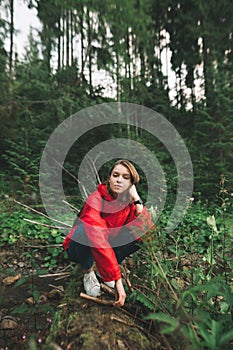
[(72, 33), (59, 46), (67, 17), (82, 44), (63, 39), (207, 69), (118, 77), (128, 63), (89, 36), (11, 41)]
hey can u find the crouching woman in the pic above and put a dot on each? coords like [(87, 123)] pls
[(108, 230)]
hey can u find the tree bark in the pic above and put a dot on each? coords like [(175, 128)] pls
[(11, 41)]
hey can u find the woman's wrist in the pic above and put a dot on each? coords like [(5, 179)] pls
[(138, 201)]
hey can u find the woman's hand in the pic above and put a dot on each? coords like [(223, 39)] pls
[(133, 193), (120, 294), (134, 196)]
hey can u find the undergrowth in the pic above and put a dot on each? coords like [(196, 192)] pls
[(183, 279), (187, 283), (15, 229)]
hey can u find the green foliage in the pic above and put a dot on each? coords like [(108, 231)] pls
[(14, 229), (128, 42), (187, 277), (171, 322), (143, 299)]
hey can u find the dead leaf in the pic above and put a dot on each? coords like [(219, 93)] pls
[(8, 322), (7, 281)]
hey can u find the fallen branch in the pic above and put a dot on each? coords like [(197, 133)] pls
[(71, 206), (45, 225), (129, 324), (60, 288), (60, 278), (94, 167), (107, 289), (96, 300), (74, 177), (55, 274), (42, 214), (125, 275), (66, 268), (43, 246)]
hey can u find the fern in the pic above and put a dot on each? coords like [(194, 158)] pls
[(147, 301)]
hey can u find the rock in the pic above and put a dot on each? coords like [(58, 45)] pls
[(21, 264)]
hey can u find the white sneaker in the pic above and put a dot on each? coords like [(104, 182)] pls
[(91, 284), (110, 284)]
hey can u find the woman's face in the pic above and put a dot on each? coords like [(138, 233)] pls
[(120, 179)]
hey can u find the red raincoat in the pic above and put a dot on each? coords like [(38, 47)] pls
[(103, 217)]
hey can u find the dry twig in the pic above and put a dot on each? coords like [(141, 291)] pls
[(94, 167), (74, 177), (60, 288), (107, 289), (120, 320), (96, 300), (42, 214), (155, 340), (125, 274), (55, 274), (71, 206), (43, 246), (45, 225)]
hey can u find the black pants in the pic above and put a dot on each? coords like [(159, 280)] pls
[(82, 254)]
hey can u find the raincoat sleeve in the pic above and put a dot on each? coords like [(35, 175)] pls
[(97, 231), (139, 224)]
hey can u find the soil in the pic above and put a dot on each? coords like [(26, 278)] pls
[(40, 311)]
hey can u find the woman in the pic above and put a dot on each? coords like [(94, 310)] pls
[(108, 230)]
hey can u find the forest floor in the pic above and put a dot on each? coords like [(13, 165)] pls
[(44, 310)]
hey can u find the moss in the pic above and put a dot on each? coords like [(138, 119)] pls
[(86, 325)]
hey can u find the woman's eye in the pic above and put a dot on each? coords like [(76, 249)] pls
[(126, 177)]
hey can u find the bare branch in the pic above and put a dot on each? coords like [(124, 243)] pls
[(120, 320), (43, 246), (107, 289), (74, 177), (42, 214), (71, 206), (94, 167), (55, 274), (45, 225), (96, 300)]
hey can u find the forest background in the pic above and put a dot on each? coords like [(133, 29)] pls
[(129, 43), (123, 42)]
